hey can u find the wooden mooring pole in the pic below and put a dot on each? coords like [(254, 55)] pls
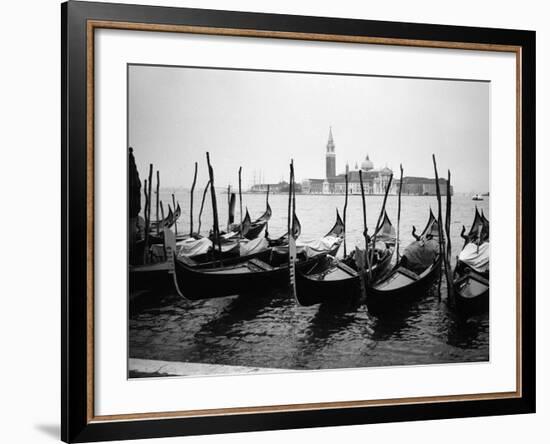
[(191, 200), (162, 216), (202, 205), (216, 227), (291, 238), (266, 207), (158, 200), (148, 216), (448, 265), (440, 228), (240, 204), (174, 205), (345, 211), (228, 208), (363, 262), (377, 226), (399, 210)]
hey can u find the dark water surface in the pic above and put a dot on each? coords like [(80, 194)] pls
[(271, 330)]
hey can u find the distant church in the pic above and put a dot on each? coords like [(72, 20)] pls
[(375, 180)]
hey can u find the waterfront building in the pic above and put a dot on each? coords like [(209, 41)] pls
[(423, 186), (375, 180), (281, 187), (330, 156)]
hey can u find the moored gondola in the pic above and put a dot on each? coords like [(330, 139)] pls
[(198, 252), (250, 229), (283, 240), (411, 276), (337, 281), (471, 290), (201, 252), (168, 221), (471, 274), (267, 269), (256, 227), (338, 229)]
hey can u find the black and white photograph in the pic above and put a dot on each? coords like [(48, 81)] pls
[(286, 221), (279, 221)]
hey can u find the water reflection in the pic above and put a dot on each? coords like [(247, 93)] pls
[(241, 309), (467, 332), (270, 330), (329, 320)]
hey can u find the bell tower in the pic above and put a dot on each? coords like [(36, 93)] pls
[(330, 156)]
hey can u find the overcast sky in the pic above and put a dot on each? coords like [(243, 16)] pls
[(260, 120)]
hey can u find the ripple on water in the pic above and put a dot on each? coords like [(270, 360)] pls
[(270, 330)]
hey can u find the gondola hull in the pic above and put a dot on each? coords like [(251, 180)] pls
[(156, 276), (399, 288), (471, 293), (255, 230), (250, 276), (334, 283), (339, 285), (208, 284)]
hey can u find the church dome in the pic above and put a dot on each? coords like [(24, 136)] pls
[(367, 164), (386, 171)]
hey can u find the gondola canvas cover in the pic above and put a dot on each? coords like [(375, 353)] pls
[(476, 258), (317, 246), (193, 247), (253, 246), (421, 254)]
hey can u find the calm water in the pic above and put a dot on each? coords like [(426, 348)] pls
[(270, 330)]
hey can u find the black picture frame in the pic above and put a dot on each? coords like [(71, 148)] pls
[(76, 423)]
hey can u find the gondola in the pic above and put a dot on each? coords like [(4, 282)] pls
[(234, 250), (175, 216), (264, 217), (336, 281), (154, 237), (283, 240), (155, 275), (408, 279), (255, 228), (480, 225), (268, 269), (471, 274), (250, 229), (200, 252), (168, 221), (231, 243)]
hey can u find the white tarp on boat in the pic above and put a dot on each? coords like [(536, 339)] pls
[(253, 246), (477, 259), (193, 247), (317, 246), (230, 246)]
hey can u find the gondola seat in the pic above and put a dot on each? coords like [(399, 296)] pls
[(410, 274), (400, 278), (472, 285), (260, 265), (346, 268)]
